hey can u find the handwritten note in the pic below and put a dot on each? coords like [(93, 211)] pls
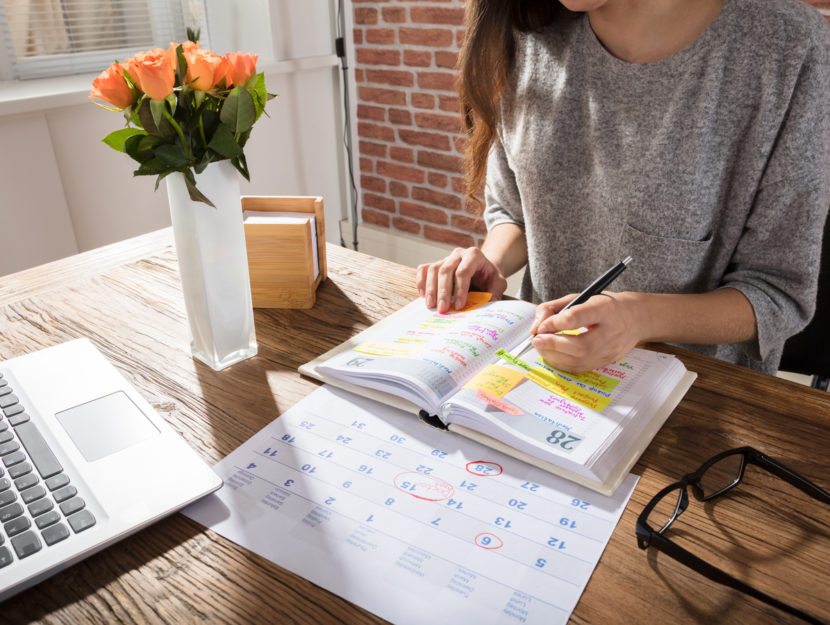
[(450, 530)]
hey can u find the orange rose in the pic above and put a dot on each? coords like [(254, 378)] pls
[(204, 69), (241, 66), (112, 87), (154, 73)]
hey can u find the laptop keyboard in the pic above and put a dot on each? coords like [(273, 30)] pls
[(39, 506)]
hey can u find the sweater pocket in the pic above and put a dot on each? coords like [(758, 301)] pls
[(665, 264)]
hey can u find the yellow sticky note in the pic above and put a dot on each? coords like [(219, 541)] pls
[(569, 390), (495, 380), (596, 380)]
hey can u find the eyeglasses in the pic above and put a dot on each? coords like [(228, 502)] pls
[(715, 477)]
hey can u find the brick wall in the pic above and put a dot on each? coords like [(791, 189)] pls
[(408, 126)]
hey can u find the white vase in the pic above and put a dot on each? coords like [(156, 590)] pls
[(213, 264)]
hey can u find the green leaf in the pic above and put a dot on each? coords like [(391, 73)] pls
[(195, 194), (117, 139), (238, 111), (150, 168), (148, 122), (241, 166), (172, 155), (256, 86), (172, 100), (138, 150), (157, 110), (224, 143)]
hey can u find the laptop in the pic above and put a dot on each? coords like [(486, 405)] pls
[(84, 462)]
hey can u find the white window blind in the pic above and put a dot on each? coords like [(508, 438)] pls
[(41, 38)]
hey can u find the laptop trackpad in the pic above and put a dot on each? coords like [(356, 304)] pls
[(106, 425)]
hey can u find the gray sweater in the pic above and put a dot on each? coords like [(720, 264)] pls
[(711, 168)]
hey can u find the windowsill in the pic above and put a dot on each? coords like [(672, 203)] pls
[(27, 96)]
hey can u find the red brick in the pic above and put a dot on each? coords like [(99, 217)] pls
[(380, 36), (422, 100), (460, 142), (400, 172), (404, 155), (357, 36), (474, 225), (444, 162), (393, 15), (380, 202), (375, 218), (436, 198), (367, 165), (434, 121), (406, 225), (449, 103), (432, 37), (375, 131), (424, 213), (396, 78), (436, 15), (437, 180), (373, 183), (371, 56), (382, 96), (443, 58), (365, 15), (417, 58), (376, 113), (443, 235), (372, 149), (426, 139), (398, 189), (400, 117), (358, 75), (439, 81), (459, 185)]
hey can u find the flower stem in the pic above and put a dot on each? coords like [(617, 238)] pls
[(178, 130)]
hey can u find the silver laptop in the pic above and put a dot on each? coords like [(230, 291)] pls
[(84, 461)]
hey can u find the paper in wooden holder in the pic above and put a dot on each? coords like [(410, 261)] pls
[(281, 256)]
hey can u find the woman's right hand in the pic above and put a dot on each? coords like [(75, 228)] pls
[(445, 283)]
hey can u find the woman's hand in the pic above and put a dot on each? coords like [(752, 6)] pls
[(613, 328), (445, 283)]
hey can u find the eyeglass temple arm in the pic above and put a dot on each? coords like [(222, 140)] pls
[(801, 483), (717, 575)]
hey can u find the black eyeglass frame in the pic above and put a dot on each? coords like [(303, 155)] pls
[(649, 537)]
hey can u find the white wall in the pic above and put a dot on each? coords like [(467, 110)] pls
[(63, 191)]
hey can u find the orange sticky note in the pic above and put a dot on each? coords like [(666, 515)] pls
[(474, 300)]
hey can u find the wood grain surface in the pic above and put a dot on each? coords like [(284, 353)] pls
[(127, 299)]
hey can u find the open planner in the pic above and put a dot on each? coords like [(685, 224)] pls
[(458, 371)]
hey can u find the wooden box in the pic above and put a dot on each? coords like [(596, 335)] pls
[(281, 256)]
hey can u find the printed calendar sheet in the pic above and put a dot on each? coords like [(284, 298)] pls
[(412, 523)]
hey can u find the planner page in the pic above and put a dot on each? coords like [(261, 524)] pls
[(412, 523)]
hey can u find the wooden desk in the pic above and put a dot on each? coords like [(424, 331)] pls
[(126, 298)]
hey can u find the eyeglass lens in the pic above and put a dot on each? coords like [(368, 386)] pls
[(666, 509), (721, 476)]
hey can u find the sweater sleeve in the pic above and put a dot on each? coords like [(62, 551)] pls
[(503, 203), (776, 262)]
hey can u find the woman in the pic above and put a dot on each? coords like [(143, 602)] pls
[(692, 136)]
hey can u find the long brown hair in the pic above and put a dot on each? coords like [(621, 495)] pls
[(485, 61)]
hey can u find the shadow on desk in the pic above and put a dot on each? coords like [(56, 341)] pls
[(164, 550)]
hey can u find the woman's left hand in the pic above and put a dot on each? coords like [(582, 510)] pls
[(613, 322)]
